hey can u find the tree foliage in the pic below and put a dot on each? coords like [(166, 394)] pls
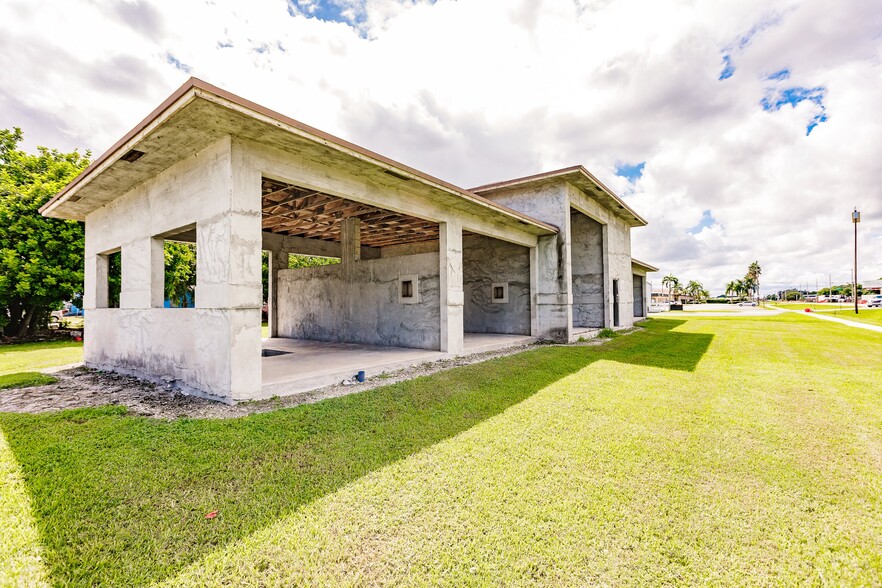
[(41, 259), (180, 274)]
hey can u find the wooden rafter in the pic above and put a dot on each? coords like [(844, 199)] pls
[(296, 211)]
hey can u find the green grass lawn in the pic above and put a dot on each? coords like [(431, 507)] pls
[(27, 357), (25, 379), (708, 450)]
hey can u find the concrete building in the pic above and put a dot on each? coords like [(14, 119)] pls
[(427, 269)]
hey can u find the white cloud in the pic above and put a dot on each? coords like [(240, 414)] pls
[(481, 90)]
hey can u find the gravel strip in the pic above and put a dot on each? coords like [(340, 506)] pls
[(83, 387)]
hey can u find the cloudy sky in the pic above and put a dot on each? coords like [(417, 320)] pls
[(742, 130)]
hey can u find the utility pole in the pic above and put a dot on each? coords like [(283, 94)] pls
[(855, 219)]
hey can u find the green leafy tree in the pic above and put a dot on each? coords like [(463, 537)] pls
[(41, 259), (180, 273)]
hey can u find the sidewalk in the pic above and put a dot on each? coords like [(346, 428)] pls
[(846, 322)]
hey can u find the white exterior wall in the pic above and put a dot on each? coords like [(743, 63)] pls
[(215, 347)]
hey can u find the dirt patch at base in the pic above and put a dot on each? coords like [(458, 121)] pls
[(82, 387)]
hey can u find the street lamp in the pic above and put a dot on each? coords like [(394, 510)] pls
[(855, 219)]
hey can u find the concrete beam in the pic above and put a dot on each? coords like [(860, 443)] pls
[(451, 291), (346, 182)]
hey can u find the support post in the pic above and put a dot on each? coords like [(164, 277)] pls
[(350, 239), (451, 295), (278, 260)]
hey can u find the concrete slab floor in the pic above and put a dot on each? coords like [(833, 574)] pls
[(309, 365)]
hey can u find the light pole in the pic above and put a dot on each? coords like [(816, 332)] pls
[(855, 219)]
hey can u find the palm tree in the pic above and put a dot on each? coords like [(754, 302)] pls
[(694, 289), (732, 288), (753, 274), (671, 282)]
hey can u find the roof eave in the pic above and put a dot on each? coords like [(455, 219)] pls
[(563, 174), (195, 87)]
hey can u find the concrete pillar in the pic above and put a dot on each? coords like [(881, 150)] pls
[(95, 292), (278, 260), (607, 281), (350, 239), (451, 295), (143, 274), (554, 295)]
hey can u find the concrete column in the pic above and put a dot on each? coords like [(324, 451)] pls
[(554, 296), (95, 292), (451, 295), (607, 281), (143, 274), (350, 239), (278, 260), (157, 273)]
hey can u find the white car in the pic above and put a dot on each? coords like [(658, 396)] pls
[(874, 301), (749, 303)]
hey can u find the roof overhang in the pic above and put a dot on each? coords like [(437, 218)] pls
[(579, 177), (643, 266), (177, 129)]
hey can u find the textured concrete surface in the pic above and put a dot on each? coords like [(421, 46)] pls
[(358, 303), (550, 263), (213, 348), (487, 261), (314, 364), (589, 294)]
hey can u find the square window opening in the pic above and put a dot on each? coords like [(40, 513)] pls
[(499, 293), (408, 289)]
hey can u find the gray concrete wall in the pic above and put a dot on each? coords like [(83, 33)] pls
[(589, 295), (358, 303), (550, 261), (617, 254), (215, 347), (487, 261)]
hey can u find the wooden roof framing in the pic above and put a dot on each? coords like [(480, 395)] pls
[(292, 210)]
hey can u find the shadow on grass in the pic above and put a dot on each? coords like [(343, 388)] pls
[(121, 500)]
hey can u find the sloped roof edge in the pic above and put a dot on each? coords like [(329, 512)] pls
[(644, 265), (564, 173), (194, 87)]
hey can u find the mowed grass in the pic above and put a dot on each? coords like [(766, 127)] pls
[(25, 379), (28, 357), (713, 450)]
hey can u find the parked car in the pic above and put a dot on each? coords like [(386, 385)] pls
[(747, 303), (874, 301)]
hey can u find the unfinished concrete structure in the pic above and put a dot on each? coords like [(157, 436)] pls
[(427, 268)]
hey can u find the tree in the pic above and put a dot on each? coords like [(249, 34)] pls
[(180, 273), (753, 275), (41, 259), (732, 288), (695, 290), (671, 282)]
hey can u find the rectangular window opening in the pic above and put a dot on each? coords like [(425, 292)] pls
[(179, 287), (408, 289), (114, 278)]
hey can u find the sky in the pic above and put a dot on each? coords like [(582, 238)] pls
[(741, 130)]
